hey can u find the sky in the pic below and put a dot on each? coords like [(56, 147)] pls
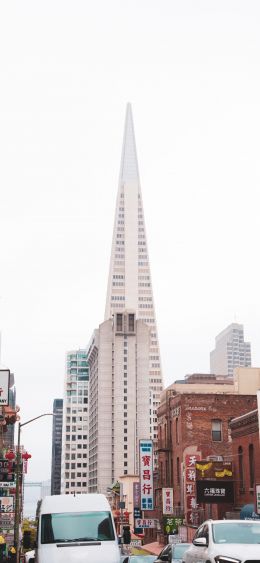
[(190, 68)]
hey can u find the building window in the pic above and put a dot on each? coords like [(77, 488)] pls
[(119, 322), (131, 322), (241, 468), (251, 466), (177, 430), (216, 430), (178, 470)]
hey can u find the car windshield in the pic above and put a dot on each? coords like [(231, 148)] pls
[(76, 526), (179, 550), (236, 532)]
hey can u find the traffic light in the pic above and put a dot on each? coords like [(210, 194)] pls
[(126, 534)]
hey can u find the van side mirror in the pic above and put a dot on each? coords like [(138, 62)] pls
[(200, 542)]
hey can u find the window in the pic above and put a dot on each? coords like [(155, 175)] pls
[(241, 468), (251, 466), (131, 322), (216, 430), (178, 470), (119, 322), (177, 430)]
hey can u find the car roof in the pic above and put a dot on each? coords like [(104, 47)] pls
[(230, 521)]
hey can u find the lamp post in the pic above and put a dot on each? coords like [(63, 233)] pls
[(17, 492)]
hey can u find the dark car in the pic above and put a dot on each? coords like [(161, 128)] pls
[(172, 553)]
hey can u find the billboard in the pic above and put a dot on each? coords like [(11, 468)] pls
[(146, 474), (4, 387)]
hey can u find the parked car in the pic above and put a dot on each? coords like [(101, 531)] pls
[(225, 541), (172, 553)]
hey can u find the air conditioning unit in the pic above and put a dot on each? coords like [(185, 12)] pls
[(214, 458)]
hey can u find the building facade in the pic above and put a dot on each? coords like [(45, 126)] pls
[(56, 446), (194, 423), (124, 355), (246, 456), (129, 283), (231, 351), (119, 412), (74, 465)]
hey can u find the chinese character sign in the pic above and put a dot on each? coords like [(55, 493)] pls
[(167, 497), (191, 505), (146, 474)]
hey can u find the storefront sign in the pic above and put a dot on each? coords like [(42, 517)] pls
[(137, 494), (167, 498), (215, 491), (171, 525), (6, 504), (214, 470), (146, 475), (146, 523)]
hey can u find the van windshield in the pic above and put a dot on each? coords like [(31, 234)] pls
[(76, 526)]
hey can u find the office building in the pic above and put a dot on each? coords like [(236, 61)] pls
[(56, 446), (74, 464), (124, 355), (231, 351), (119, 410)]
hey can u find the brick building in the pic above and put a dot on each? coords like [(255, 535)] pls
[(195, 425), (246, 456)]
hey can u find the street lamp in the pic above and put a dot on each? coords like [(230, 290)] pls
[(17, 495)]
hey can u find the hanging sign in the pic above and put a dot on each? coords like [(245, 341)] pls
[(146, 474)]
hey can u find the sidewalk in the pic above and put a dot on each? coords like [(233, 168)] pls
[(154, 548)]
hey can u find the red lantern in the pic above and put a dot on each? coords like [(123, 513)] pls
[(26, 456), (10, 456)]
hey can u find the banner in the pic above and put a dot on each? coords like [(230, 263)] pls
[(167, 498), (146, 474)]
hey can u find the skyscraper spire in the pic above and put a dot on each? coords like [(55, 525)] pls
[(129, 166), (129, 284)]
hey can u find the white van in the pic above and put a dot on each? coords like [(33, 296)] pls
[(73, 529)]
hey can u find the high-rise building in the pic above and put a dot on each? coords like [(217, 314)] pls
[(230, 351), (74, 464), (123, 354), (119, 409), (130, 283), (56, 446)]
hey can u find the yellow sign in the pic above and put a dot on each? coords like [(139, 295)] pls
[(2, 540)]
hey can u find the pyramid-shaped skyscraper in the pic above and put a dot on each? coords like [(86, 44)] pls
[(125, 379), (130, 282)]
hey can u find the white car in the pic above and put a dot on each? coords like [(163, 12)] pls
[(225, 541), (29, 556)]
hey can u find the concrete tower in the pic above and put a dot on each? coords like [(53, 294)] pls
[(129, 283)]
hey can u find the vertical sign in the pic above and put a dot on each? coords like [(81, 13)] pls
[(136, 494), (190, 492), (146, 474), (167, 497), (257, 499)]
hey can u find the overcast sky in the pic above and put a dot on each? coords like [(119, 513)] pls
[(190, 68)]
